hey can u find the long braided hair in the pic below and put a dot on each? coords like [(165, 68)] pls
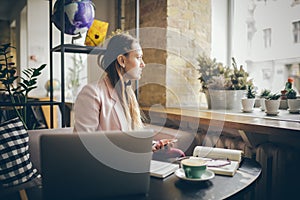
[(121, 44)]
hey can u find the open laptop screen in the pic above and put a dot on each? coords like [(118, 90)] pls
[(96, 165)]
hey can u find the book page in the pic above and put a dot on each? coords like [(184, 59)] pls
[(217, 153), (228, 170), (162, 169)]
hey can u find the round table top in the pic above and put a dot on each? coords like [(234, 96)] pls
[(219, 187)]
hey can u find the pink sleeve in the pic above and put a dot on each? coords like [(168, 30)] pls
[(87, 110)]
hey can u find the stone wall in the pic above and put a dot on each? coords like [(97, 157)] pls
[(172, 34)]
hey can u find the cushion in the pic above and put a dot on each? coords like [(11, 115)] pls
[(15, 165)]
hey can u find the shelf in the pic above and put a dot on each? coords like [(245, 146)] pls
[(29, 103), (72, 48)]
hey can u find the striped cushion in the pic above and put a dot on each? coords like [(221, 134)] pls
[(15, 165)]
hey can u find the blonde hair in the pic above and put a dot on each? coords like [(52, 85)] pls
[(121, 44)]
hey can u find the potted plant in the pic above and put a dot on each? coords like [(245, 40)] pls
[(263, 95), (249, 100), (283, 101), (293, 102), (14, 93), (227, 85), (272, 103)]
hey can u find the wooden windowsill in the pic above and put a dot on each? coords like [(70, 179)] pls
[(257, 121)]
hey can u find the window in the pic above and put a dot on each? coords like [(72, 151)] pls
[(296, 32), (267, 37), (295, 2)]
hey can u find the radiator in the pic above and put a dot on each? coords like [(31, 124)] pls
[(280, 177), (280, 172)]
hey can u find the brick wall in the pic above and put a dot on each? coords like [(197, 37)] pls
[(172, 33), (189, 33)]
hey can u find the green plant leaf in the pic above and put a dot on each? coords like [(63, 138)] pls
[(42, 67), (26, 73), (12, 71), (36, 73), (32, 82), (16, 89), (31, 88), (23, 85), (12, 79), (11, 64)]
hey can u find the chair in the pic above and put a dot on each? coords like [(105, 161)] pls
[(19, 191)]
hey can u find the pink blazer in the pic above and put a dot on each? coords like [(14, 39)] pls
[(97, 107)]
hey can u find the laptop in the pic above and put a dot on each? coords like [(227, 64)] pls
[(96, 165)]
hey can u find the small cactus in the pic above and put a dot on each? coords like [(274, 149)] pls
[(291, 94), (250, 92), (274, 96)]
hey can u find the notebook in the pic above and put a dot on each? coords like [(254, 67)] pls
[(161, 169), (96, 165)]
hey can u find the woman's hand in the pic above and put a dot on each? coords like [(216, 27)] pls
[(166, 143)]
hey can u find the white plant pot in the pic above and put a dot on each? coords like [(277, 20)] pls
[(283, 104), (294, 105), (272, 106), (248, 104), (257, 103), (233, 98), (262, 104), (224, 99), (216, 99)]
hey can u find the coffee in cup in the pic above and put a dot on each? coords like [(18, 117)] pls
[(193, 168)]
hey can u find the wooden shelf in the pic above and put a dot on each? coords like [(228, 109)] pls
[(72, 48)]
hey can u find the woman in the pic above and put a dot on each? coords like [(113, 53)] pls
[(110, 103)]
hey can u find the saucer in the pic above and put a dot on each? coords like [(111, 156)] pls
[(247, 111), (272, 113), (294, 111), (208, 174)]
